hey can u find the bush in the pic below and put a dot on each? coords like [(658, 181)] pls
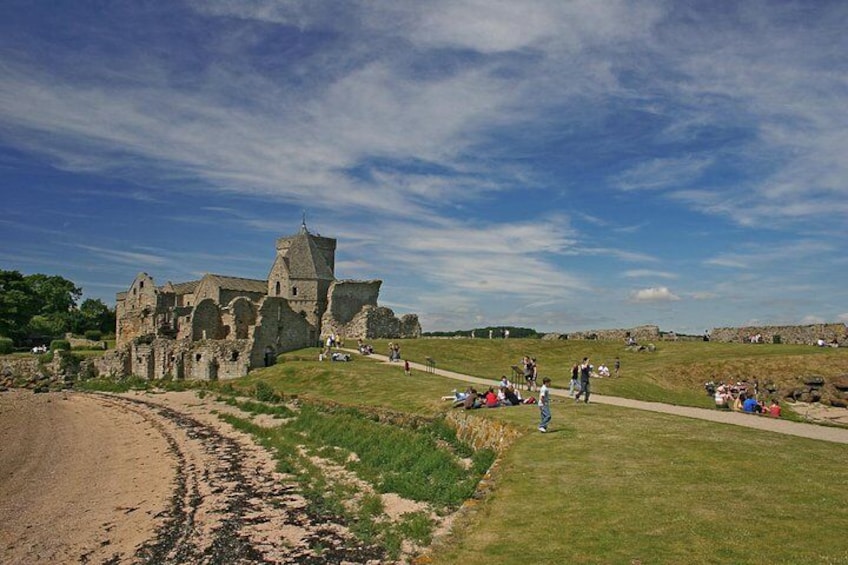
[(6, 345), (62, 344), (266, 393), (93, 335)]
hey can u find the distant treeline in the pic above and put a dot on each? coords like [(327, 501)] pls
[(497, 332), (38, 308)]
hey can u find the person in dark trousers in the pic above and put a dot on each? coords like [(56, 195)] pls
[(585, 369)]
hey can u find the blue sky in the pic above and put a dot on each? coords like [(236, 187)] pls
[(548, 164)]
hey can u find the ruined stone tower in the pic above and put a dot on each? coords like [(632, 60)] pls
[(302, 273)]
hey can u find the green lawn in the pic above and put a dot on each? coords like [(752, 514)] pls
[(675, 372), (615, 485)]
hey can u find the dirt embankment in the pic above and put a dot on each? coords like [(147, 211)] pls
[(88, 478)]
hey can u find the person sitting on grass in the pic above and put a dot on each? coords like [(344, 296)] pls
[(511, 397), (774, 409), (738, 402), (751, 406), (491, 399), (723, 398), (472, 400)]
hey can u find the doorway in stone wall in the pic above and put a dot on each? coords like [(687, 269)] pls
[(270, 357), (213, 370)]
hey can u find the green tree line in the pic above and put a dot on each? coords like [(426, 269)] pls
[(497, 332), (41, 307)]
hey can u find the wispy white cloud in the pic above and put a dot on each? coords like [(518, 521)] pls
[(125, 257), (646, 273), (662, 173)]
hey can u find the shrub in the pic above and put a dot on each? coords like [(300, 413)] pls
[(62, 344), (93, 335), (6, 345), (266, 393)]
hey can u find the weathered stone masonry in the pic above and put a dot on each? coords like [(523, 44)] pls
[(222, 327)]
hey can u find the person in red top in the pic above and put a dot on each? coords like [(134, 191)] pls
[(774, 409), (492, 399)]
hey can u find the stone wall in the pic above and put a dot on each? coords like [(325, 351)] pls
[(18, 366), (206, 321), (799, 335), (114, 363), (640, 334), (136, 311), (347, 298), (374, 322), (482, 432), (410, 327), (82, 343), (278, 329)]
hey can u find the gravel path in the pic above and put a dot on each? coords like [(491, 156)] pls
[(811, 431)]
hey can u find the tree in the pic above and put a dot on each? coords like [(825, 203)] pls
[(93, 314), (17, 304), (55, 294)]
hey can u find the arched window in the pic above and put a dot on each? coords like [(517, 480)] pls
[(277, 289), (294, 291)]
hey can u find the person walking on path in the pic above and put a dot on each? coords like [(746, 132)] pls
[(585, 369), (545, 405), (574, 384)]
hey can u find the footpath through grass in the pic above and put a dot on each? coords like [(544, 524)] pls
[(674, 373), (614, 485)]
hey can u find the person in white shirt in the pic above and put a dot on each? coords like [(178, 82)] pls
[(545, 405)]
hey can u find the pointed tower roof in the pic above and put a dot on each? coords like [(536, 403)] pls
[(305, 259)]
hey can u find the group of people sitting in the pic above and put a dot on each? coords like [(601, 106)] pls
[(334, 356), (742, 398), (364, 348), (505, 394)]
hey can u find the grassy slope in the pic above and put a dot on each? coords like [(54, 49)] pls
[(674, 373), (613, 485)]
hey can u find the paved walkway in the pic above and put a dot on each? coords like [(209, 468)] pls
[(811, 431)]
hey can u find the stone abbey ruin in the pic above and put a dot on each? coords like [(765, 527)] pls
[(221, 327)]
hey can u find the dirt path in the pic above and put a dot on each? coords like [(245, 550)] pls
[(140, 478), (807, 430)]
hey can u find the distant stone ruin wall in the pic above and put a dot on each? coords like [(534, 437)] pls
[(375, 322), (798, 335), (347, 298), (18, 366), (410, 326), (640, 334)]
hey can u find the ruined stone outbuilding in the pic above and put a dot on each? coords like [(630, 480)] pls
[(222, 327)]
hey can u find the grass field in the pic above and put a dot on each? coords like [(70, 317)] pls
[(615, 485)]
